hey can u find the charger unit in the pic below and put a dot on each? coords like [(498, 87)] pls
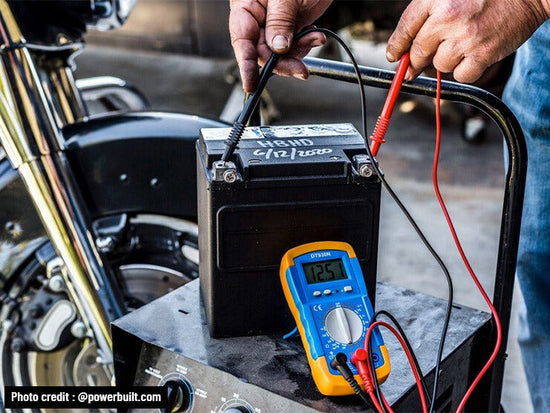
[(284, 186)]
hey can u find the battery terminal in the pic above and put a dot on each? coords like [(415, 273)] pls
[(225, 171), (363, 166)]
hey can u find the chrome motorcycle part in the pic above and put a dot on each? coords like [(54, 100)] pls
[(56, 283), (41, 321), (105, 244), (111, 13), (112, 93), (49, 330), (79, 329), (59, 83), (37, 155)]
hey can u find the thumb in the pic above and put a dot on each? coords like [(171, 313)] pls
[(280, 24)]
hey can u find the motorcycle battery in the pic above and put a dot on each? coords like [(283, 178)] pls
[(284, 186)]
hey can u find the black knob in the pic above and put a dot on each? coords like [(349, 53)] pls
[(179, 396)]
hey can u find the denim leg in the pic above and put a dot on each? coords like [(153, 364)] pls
[(528, 95)]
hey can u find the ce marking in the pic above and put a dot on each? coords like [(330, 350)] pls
[(318, 307)]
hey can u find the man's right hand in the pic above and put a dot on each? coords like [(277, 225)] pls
[(464, 37), (260, 27)]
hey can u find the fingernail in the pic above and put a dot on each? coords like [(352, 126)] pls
[(317, 42), (390, 57), (279, 43), (300, 76)]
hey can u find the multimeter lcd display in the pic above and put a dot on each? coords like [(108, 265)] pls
[(321, 271)]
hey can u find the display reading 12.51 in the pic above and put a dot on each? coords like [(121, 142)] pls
[(321, 271)]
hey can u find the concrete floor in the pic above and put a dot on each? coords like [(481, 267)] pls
[(471, 176)]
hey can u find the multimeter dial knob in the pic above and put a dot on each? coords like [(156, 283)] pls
[(344, 325)]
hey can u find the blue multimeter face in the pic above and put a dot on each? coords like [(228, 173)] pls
[(333, 304)]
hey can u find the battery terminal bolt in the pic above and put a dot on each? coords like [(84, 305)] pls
[(225, 171), (366, 170), (363, 166), (230, 176)]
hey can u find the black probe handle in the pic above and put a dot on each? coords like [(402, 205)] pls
[(249, 107)]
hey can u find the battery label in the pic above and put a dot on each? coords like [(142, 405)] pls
[(297, 133)]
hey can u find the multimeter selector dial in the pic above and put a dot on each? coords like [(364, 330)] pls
[(344, 325)]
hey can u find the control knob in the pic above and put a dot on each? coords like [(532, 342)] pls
[(344, 325), (180, 395)]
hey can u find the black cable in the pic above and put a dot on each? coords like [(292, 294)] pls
[(340, 363), (401, 207), (238, 129)]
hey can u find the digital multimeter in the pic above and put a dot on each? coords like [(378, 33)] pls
[(325, 290)]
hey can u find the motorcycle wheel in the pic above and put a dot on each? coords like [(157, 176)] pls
[(153, 255)]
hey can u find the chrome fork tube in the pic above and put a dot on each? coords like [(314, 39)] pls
[(60, 88), (32, 141)]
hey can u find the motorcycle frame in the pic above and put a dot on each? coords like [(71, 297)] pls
[(75, 174)]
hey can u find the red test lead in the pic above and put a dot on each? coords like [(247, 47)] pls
[(379, 132)]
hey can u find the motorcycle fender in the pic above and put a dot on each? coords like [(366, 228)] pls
[(135, 162), (138, 162)]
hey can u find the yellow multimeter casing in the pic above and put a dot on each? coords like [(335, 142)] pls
[(325, 290)]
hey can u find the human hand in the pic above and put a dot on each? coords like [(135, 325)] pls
[(463, 37), (258, 27)]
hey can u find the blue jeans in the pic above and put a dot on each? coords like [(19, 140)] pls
[(528, 95)]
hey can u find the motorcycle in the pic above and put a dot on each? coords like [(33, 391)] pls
[(98, 213)]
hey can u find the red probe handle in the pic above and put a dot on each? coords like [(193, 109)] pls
[(379, 132)]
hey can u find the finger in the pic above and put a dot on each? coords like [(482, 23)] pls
[(247, 59), (447, 57), (304, 45), (280, 24), (244, 28), (424, 47), (246, 55), (469, 70), (288, 65), (409, 24), (291, 67)]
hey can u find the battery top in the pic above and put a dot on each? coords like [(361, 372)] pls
[(266, 152)]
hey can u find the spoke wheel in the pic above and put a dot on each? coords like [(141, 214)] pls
[(160, 255)]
